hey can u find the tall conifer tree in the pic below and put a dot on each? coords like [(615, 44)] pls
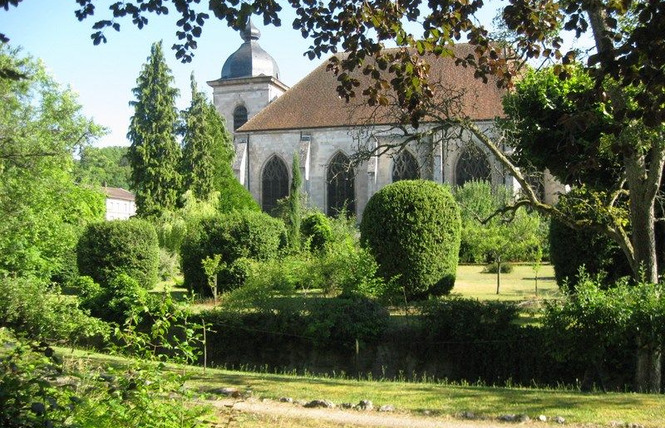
[(294, 205), (154, 154), (207, 148)]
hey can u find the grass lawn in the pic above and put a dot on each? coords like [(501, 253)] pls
[(442, 400), (520, 284)]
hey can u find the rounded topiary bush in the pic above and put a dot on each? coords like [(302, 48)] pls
[(251, 234), (571, 249), (108, 249), (317, 230), (412, 228)]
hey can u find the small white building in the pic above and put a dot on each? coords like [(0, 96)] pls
[(119, 203)]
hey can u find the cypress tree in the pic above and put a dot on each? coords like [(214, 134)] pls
[(154, 153), (207, 148), (294, 210)]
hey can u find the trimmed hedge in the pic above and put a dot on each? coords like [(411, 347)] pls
[(250, 234), (571, 249), (412, 228), (108, 249)]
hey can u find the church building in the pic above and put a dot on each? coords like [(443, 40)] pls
[(271, 123)]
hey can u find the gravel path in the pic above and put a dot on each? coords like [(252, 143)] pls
[(355, 417)]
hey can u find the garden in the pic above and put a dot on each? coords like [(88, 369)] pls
[(472, 292)]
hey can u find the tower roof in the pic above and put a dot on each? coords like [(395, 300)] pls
[(250, 60)]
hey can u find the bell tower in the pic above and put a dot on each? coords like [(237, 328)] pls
[(249, 81)]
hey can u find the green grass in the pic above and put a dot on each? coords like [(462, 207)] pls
[(437, 399), (471, 282)]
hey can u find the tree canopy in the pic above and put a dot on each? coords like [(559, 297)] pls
[(103, 166), (42, 210)]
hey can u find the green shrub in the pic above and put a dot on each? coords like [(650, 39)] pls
[(233, 196), (602, 327), (571, 249), (520, 237), (466, 319), (169, 265), (250, 234), (412, 228), (118, 300), (108, 249), (339, 322), (494, 267), (316, 229), (235, 275), (32, 309)]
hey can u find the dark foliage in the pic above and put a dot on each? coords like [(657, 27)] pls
[(571, 249)]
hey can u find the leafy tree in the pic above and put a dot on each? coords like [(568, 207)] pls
[(154, 153), (42, 210), (103, 166), (513, 237), (207, 149)]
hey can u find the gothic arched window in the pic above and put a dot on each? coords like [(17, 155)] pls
[(472, 165), (405, 167), (275, 183), (239, 117), (341, 188)]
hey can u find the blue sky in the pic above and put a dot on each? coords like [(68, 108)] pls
[(104, 75)]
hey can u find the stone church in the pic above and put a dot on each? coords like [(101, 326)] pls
[(272, 122)]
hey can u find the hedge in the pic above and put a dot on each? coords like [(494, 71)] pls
[(249, 234), (108, 249), (412, 228)]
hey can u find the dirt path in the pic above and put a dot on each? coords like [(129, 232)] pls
[(355, 417)]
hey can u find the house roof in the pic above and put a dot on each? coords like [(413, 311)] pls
[(314, 103), (118, 193)]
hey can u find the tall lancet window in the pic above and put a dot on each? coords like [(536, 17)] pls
[(275, 183), (405, 167), (472, 165), (341, 186), (239, 117)]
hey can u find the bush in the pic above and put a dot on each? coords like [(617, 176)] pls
[(494, 267), (602, 327), (108, 249), (118, 300), (316, 229), (338, 323), (250, 234), (234, 196), (466, 319), (571, 249), (412, 229), (32, 309)]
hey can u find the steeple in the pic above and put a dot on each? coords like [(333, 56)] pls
[(250, 60)]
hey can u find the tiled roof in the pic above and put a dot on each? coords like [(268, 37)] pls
[(314, 103), (118, 193)]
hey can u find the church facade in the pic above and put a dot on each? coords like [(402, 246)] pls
[(273, 123)]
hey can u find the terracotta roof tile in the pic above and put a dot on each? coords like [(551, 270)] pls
[(118, 193), (314, 103)]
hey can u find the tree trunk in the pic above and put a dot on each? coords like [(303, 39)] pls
[(648, 370)]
